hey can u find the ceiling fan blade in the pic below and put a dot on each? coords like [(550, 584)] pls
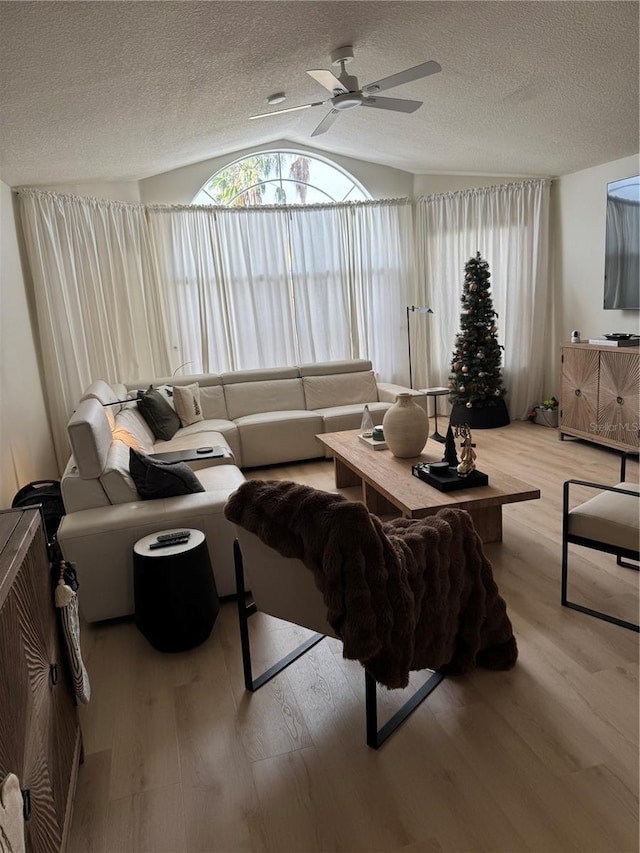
[(415, 73), (290, 109), (326, 122), (400, 105), (329, 80)]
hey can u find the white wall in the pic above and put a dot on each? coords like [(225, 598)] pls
[(112, 190), (579, 214), (26, 447), (180, 185), (433, 184)]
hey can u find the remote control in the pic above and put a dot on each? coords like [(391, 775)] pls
[(177, 534), (168, 542)]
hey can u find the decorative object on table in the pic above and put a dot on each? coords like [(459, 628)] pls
[(475, 381), (406, 427), (448, 479), (375, 443), (66, 598), (450, 454), (366, 426), (547, 413), (575, 336), (467, 462), (378, 433), (411, 309), (616, 339)]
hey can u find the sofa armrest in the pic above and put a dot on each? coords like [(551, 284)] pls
[(388, 392), (100, 542)]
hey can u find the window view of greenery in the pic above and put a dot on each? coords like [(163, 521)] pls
[(278, 177)]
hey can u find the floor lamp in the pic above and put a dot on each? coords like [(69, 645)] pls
[(420, 310)]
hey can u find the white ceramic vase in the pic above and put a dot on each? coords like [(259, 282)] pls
[(405, 427)]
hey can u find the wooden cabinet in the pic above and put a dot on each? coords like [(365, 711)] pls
[(39, 730), (599, 394)]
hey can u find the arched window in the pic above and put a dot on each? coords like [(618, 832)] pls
[(279, 177)]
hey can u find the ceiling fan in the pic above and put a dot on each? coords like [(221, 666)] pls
[(347, 94)]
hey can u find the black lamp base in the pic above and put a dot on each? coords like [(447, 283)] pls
[(480, 417)]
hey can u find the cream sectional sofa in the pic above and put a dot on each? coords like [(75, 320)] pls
[(262, 417)]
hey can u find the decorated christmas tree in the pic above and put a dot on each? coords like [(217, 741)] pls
[(475, 382)]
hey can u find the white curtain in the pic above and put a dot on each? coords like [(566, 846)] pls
[(266, 287), (98, 310), (509, 226), (124, 291), (225, 280)]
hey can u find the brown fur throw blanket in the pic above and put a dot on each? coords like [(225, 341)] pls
[(402, 595)]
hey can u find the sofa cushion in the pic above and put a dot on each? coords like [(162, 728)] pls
[(212, 402), (132, 429), (90, 436), (102, 392), (608, 517), (186, 399), (326, 368), (154, 478), (162, 419), (273, 395), (338, 418), (116, 478), (340, 389), (276, 437)]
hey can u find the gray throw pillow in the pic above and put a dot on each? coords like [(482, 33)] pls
[(161, 418), (154, 478)]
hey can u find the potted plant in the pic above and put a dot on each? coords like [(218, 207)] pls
[(547, 413)]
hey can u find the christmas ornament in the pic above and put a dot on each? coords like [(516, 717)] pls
[(473, 287), (465, 369), (461, 388), (469, 405)]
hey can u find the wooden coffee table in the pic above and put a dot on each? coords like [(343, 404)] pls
[(388, 484)]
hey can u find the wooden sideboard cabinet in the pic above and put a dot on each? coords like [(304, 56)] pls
[(39, 729), (599, 394)]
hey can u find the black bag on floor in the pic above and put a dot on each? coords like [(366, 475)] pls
[(48, 494)]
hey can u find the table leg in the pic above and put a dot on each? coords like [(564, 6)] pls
[(344, 476), (488, 522), (377, 503)]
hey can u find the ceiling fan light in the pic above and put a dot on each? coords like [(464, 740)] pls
[(276, 98), (347, 101)]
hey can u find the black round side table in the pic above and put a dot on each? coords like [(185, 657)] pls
[(176, 600)]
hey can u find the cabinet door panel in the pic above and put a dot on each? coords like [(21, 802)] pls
[(53, 696), (14, 692), (619, 398), (579, 390)]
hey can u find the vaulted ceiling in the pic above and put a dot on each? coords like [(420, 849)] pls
[(95, 91)]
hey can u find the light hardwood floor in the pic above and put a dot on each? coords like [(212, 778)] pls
[(178, 757)]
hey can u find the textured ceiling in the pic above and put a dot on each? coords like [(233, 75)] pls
[(93, 91)]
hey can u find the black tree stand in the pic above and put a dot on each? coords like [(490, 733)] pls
[(480, 417)]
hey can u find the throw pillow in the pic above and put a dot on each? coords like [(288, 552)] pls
[(162, 419), (186, 399), (155, 478)]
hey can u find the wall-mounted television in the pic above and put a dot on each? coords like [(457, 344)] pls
[(622, 250)]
